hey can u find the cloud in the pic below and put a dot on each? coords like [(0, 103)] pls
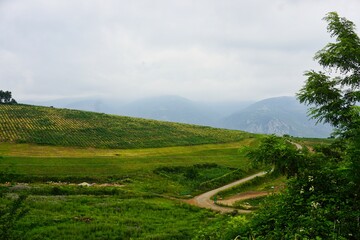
[(203, 50)]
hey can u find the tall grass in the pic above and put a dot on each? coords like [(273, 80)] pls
[(109, 217)]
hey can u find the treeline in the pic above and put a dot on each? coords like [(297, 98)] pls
[(6, 97)]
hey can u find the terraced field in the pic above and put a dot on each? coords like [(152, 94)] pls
[(64, 127)]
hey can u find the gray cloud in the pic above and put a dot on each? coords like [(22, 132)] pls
[(202, 50)]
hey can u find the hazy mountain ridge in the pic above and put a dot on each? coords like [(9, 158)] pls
[(170, 108), (280, 115), (166, 108)]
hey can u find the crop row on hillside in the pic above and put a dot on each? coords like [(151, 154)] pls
[(64, 127)]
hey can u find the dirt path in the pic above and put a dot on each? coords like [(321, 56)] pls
[(242, 196), (204, 200), (298, 146)]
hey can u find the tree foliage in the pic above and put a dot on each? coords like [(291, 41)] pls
[(336, 98), (6, 97), (334, 93), (280, 153), (319, 203)]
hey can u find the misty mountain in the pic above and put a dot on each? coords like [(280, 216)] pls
[(166, 108), (281, 115), (179, 109), (87, 104), (170, 108)]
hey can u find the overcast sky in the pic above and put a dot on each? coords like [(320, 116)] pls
[(203, 50)]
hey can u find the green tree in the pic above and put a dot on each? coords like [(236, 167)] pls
[(334, 98), (281, 154), (6, 97)]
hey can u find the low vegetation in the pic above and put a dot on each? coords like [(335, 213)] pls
[(64, 127), (117, 216), (201, 177), (75, 164), (249, 204)]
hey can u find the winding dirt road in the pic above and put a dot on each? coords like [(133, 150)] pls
[(204, 201)]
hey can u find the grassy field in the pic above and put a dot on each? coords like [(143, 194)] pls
[(115, 216), (33, 150), (64, 127), (137, 208), (143, 200), (144, 168)]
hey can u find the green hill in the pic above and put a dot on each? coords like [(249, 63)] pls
[(64, 127)]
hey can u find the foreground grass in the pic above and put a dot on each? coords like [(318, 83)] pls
[(64, 127), (142, 207), (109, 217), (140, 169)]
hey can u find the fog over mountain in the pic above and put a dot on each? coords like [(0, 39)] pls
[(171, 108), (166, 108), (281, 115)]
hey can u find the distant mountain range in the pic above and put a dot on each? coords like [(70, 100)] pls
[(280, 115)]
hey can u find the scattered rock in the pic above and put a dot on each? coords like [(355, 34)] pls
[(84, 184)]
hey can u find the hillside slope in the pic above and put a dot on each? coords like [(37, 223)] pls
[(281, 115), (64, 127)]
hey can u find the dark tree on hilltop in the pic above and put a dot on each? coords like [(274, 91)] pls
[(6, 97)]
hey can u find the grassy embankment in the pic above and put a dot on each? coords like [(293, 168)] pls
[(147, 159)]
